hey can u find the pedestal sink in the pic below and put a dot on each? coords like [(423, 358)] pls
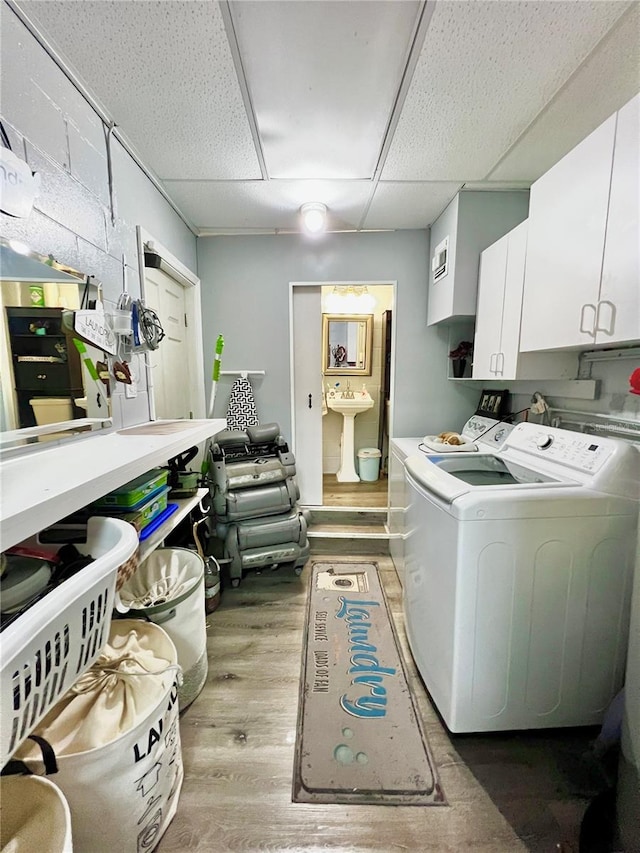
[(349, 406)]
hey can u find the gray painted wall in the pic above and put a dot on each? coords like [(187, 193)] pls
[(245, 296), (53, 128)]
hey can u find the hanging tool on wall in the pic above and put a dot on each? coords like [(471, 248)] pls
[(147, 328), (215, 374)]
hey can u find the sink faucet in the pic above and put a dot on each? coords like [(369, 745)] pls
[(348, 393)]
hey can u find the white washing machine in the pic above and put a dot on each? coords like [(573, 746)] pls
[(487, 434), (518, 572)]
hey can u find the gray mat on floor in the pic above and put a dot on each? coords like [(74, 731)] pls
[(359, 737)]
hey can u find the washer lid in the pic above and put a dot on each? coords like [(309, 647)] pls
[(453, 475), (489, 470)]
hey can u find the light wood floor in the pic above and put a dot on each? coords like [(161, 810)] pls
[(360, 494), (506, 793)]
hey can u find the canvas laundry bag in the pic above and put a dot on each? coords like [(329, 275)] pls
[(34, 816), (116, 739), (168, 589)]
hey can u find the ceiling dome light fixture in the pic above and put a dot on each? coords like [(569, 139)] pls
[(314, 217)]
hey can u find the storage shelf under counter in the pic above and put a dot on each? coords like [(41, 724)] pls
[(185, 506)]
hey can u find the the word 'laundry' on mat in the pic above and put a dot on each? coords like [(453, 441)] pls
[(359, 736)]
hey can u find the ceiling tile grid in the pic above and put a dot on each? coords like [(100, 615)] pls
[(164, 71), (604, 82), (225, 206), (323, 79), (485, 71), (500, 91), (398, 204)]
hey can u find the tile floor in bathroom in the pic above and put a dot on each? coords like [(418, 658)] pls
[(506, 792)]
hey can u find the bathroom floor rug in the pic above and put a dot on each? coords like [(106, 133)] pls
[(359, 736)]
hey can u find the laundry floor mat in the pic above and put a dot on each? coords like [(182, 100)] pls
[(359, 737)]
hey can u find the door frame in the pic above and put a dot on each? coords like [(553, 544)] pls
[(340, 283), (181, 274)]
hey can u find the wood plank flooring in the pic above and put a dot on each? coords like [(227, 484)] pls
[(505, 793), (354, 494)]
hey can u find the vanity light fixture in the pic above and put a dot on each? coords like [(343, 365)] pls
[(314, 217), (350, 299)]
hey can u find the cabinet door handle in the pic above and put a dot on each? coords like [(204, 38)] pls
[(310, 403), (612, 317), (492, 369), (500, 361), (591, 331)]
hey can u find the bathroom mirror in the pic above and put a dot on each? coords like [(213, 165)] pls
[(347, 344), (47, 380)]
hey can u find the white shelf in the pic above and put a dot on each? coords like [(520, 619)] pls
[(577, 389), (44, 486), (185, 505)]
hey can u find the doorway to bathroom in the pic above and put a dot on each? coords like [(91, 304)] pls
[(317, 430)]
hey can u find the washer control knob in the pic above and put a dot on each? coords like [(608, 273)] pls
[(544, 441)]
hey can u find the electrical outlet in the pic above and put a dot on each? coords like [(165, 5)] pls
[(130, 391)]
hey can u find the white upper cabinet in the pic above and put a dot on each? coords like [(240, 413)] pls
[(470, 223), (581, 282), (491, 285), (497, 338), (618, 316)]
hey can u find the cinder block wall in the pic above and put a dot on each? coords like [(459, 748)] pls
[(55, 130)]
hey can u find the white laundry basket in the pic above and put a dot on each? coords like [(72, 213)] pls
[(35, 816), (168, 589), (53, 642), (116, 740)]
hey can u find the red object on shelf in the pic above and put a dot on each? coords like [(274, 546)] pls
[(634, 381)]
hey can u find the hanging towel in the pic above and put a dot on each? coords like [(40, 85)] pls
[(241, 409)]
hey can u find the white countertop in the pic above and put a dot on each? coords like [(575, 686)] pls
[(405, 446), (43, 486)]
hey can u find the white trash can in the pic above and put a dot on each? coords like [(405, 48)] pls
[(369, 463), (168, 589)]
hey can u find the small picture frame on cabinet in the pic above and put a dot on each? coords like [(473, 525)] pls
[(493, 404)]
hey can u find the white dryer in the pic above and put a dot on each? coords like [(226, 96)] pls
[(518, 572)]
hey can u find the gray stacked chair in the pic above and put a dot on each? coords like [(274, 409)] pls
[(254, 513)]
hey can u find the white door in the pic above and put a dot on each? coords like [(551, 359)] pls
[(306, 359), (172, 390)]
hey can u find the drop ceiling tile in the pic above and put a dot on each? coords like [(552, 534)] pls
[(164, 72), (228, 206), (403, 204), (605, 82), (485, 71), (323, 79)]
